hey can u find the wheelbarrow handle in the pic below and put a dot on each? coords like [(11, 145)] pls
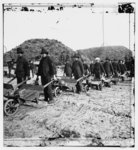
[(80, 79), (11, 80), (83, 77), (48, 83), (20, 84)]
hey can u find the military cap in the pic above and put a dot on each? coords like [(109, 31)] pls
[(44, 51), (19, 50)]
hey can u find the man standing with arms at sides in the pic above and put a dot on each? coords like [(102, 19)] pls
[(78, 71), (46, 71), (22, 67)]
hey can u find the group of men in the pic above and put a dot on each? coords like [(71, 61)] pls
[(98, 68), (75, 69), (46, 70)]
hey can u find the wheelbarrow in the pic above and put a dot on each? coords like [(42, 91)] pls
[(55, 86), (106, 81), (68, 84), (11, 97), (95, 83)]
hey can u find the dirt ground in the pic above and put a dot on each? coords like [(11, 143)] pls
[(95, 118)]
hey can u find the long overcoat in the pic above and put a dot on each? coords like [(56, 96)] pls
[(108, 68), (77, 69), (91, 68), (22, 68), (98, 70), (68, 69), (46, 69)]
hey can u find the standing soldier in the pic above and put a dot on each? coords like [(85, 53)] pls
[(68, 69), (22, 67), (46, 71), (78, 71), (108, 68), (98, 69)]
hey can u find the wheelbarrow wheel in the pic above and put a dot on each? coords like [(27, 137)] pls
[(86, 88), (57, 91), (10, 107)]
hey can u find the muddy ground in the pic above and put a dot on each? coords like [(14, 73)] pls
[(95, 118)]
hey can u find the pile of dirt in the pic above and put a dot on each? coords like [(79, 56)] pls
[(60, 53), (98, 118), (112, 52), (32, 49)]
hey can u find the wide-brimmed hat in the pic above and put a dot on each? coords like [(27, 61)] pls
[(44, 51), (19, 50)]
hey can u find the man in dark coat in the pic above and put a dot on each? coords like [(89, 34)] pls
[(127, 63), (92, 68), (22, 67), (46, 71), (108, 68), (78, 71), (122, 67), (10, 64), (98, 69), (115, 67), (68, 69), (86, 68)]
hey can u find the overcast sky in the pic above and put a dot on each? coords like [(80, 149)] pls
[(77, 28)]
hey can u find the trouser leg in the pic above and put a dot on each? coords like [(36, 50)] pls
[(47, 90), (45, 94), (48, 93), (79, 87), (19, 80), (97, 76)]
